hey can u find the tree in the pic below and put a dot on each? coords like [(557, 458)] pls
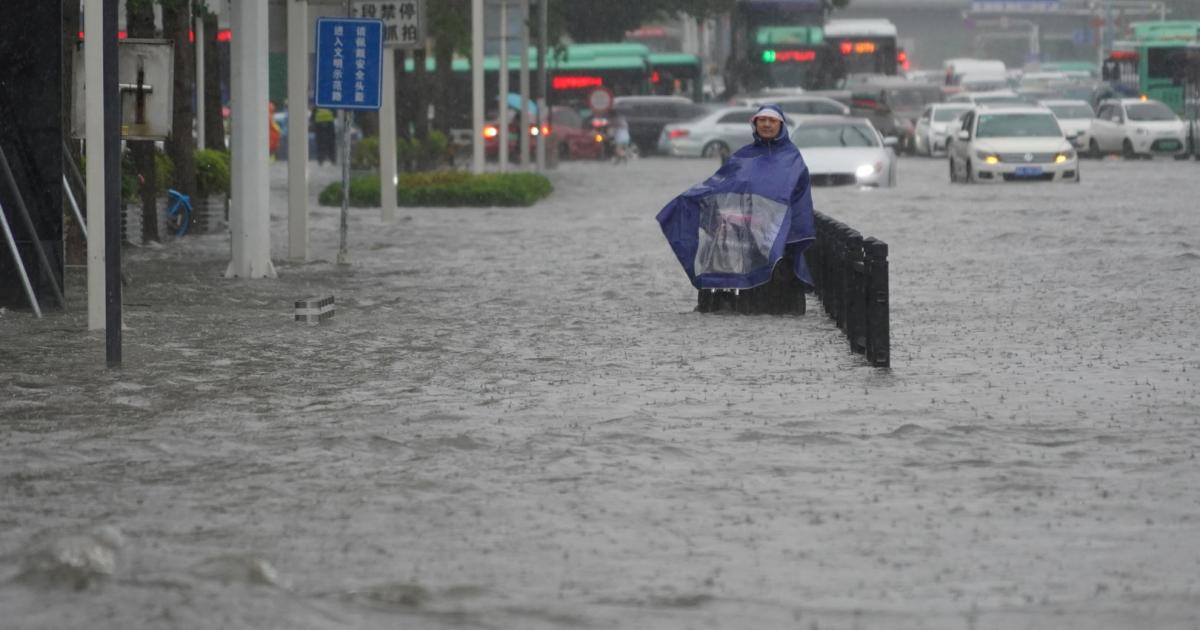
[(177, 19)]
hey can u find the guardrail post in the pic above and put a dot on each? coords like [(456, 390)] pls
[(855, 292), (878, 345)]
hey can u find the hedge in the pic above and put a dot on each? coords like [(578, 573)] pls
[(446, 188)]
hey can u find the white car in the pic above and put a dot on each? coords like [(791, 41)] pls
[(1011, 143), (1137, 128), (718, 133), (934, 126), (1075, 118), (842, 151)]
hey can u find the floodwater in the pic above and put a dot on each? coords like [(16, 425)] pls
[(516, 420)]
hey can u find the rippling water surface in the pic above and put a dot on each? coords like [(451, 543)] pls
[(515, 420)]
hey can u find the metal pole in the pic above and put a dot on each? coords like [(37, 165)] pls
[(524, 78), (476, 86), (542, 85), (503, 91), (112, 190), (297, 64), (75, 207), (16, 254), (343, 256)]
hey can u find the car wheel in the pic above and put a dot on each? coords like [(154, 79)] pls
[(1127, 150), (715, 149)]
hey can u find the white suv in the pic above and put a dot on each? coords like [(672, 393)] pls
[(1135, 128), (1006, 143)]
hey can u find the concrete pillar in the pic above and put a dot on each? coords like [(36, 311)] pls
[(250, 212), (297, 63)]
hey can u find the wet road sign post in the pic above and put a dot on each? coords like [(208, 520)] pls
[(348, 77)]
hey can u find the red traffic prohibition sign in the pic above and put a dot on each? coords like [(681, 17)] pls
[(600, 99)]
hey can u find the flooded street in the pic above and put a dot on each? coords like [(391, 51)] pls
[(516, 420)]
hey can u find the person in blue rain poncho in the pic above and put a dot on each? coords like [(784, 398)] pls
[(732, 231)]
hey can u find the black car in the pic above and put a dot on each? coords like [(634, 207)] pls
[(647, 115)]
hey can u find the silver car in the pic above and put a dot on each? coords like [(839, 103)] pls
[(844, 151), (717, 133), (935, 125), (1075, 118)]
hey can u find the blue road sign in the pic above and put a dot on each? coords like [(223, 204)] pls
[(349, 63)]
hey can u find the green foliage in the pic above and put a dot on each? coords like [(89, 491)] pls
[(212, 173), (164, 172), (365, 154), (434, 150), (446, 188)]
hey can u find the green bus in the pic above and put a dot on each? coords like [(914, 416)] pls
[(622, 68), (1156, 62)]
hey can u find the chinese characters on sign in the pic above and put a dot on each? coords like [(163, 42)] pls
[(349, 68), (1015, 6), (403, 20)]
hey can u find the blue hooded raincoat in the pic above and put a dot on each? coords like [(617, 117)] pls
[(729, 231)]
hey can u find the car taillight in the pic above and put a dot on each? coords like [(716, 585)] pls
[(679, 133), (490, 131), (545, 130), (599, 137)]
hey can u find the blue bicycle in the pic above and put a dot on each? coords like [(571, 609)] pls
[(179, 212)]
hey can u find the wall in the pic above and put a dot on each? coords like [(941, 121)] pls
[(31, 136)]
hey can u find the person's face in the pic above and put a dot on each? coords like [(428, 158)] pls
[(767, 128)]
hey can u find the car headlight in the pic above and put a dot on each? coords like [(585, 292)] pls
[(867, 170), (990, 158), (1059, 158), (1141, 131)]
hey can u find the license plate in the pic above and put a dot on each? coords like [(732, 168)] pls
[(1028, 171)]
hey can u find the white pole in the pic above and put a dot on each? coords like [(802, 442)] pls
[(477, 86), (250, 210), (502, 121), (94, 67), (199, 30), (524, 77), (16, 254), (297, 61), (387, 137)]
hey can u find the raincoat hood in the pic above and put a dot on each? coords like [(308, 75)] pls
[(783, 130), (729, 231)]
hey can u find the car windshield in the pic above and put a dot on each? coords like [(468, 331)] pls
[(1072, 111), (812, 136), (946, 114), (1017, 125), (1150, 111)]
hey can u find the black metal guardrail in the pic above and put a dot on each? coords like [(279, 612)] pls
[(851, 277)]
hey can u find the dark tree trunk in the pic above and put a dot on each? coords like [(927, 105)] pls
[(176, 16), (214, 121), (139, 19)]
